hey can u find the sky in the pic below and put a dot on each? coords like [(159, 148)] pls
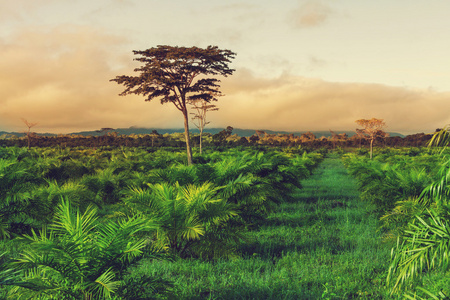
[(300, 64)]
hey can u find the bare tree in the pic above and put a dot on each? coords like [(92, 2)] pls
[(202, 107), (28, 132), (372, 129)]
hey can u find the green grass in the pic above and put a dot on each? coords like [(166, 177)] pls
[(325, 245)]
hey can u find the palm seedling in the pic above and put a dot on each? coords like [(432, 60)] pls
[(176, 173), (78, 256), (16, 206), (192, 219), (256, 182), (49, 195), (105, 186), (385, 185), (240, 186), (424, 245)]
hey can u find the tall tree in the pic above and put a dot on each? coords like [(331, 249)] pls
[(178, 75), (372, 129), (199, 118)]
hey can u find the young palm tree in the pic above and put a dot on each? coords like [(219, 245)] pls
[(387, 186), (78, 256), (176, 173), (17, 209), (50, 194), (238, 184), (192, 219), (425, 245), (105, 185), (256, 181)]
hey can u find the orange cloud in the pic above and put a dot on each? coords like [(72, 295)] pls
[(60, 79), (298, 103)]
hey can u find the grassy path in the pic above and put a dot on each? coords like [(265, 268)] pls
[(323, 246)]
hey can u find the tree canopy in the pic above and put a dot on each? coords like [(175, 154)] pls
[(179, 75)]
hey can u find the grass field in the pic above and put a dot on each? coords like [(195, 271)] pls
[(323, 245)]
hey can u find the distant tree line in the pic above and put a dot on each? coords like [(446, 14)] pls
[(224, 138)]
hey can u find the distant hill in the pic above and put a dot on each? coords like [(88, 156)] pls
[(238, 131), (20, 134)]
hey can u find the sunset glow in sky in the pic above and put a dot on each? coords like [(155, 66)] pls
[(300, 64)]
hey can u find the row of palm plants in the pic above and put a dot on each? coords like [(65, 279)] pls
[(207, 208), (32, 182), (120, 205), (386, 183), (411, 194)]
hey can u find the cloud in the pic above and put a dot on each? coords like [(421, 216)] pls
[(60, 79), (18, 9), (310, 14), (297, 103), (315, 62), (220, 23)]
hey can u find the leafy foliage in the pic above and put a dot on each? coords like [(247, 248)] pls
[(16, 184), (419, 215), (122, 204), (424, 245), (191, 220), (78, 257), (385, 184)]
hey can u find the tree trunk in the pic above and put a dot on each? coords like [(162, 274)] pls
[(28, 138), (200, 137), (371, 148), (186, 136)]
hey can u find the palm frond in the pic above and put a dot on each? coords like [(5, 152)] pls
[(425, 246), (70, 257), (440, 138), (104, 285), (429, 295), (192, 228), (74, 223)]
